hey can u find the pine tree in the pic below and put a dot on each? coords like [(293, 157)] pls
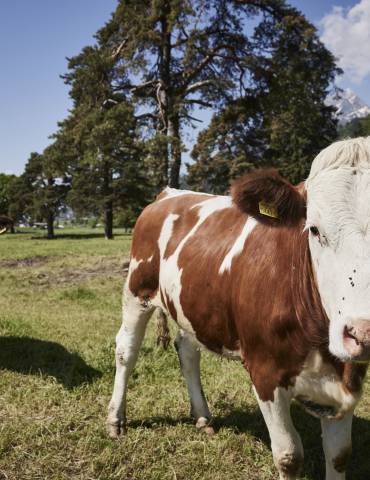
[(5, 185), (6, 182), (40, 191), (172, 56), (107, 168), (281, 120)]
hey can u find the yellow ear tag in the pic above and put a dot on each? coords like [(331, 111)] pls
[(268, 209)]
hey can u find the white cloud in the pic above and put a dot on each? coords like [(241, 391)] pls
[(346, 32)]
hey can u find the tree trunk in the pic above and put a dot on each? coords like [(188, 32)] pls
[(164, 90), (108, 220), (50, 225), (107, 192), (175, 151)]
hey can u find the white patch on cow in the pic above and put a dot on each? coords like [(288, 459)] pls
[(338, 204), (174, 192), (238, 246), (319, 383), (150, 258), (166, 233), (169, 272), (336, 439), (134, 263)]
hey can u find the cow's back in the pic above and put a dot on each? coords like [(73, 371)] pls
[(143, 280)]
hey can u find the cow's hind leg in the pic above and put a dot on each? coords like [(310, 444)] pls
[(336, 438), (136, 314), (189, 356), (286, 444)]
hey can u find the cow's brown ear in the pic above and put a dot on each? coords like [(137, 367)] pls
[(270, 198)]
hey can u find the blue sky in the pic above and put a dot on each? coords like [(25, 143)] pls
[(37, 35)]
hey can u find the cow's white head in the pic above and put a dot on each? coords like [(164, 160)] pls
[(337, 215), (338, 220)]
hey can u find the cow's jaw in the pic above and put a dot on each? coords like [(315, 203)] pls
[(338, 217)]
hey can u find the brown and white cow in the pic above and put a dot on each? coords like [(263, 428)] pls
[(288, 296)]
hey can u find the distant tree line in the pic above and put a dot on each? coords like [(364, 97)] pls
[(257, 64), (358, 127)]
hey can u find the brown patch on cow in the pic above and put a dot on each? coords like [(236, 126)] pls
[(204, 298), (340, 462), (143, 281), (181, 227), (353, 377), (268, 186), (286, 328), (290, 464)]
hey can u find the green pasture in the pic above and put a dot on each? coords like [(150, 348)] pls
[(60, 304)]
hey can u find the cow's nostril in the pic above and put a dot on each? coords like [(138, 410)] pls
[(348, 333), (356, 339)]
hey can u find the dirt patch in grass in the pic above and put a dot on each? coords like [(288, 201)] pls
[(24, 262), (81, 274)]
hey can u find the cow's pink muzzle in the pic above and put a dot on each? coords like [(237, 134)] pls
[(356, 340)]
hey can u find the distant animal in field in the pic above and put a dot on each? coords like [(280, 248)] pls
[(276, 276), (6, 224)]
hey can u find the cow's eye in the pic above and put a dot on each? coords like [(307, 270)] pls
[(315, 231)]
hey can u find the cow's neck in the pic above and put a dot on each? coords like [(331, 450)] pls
[(305, 295)]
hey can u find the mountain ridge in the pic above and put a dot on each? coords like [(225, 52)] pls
[(348, 105)]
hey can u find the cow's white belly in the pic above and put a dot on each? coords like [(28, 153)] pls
[(320, 390)]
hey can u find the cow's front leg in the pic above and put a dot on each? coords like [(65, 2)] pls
[(286, 444), (336, 439)]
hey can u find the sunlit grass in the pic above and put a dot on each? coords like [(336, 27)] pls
[(60, 304)]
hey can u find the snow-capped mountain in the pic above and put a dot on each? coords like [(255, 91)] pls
[(349, 106)]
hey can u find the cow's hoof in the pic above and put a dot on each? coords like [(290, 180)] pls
[(203, 424), (115, 429), (290, 465)]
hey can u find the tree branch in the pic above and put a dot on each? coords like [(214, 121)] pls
[(118, 50), (134, 88), (197, 86), (198, 102), (192, 118), (208, 58)]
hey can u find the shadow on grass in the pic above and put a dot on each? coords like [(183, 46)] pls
[(309, 429), (31, 356), (251, 421)]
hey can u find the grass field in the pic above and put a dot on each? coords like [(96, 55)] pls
[(59, 313)]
